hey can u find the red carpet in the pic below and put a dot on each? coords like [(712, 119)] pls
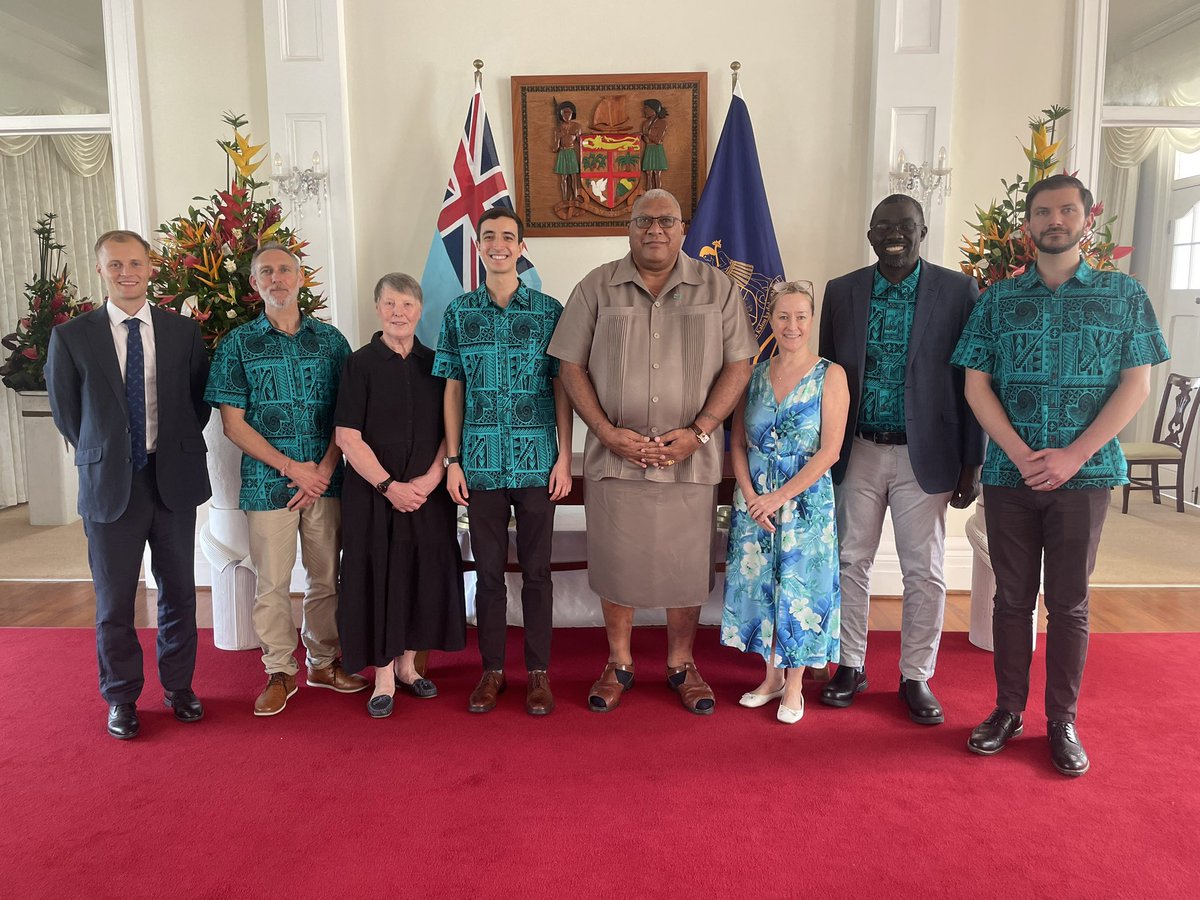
[(647, 801)]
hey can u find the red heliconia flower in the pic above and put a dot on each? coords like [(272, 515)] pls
[(1098, 209), (37, 304), (61, 317), (86, 307), (30, 353), (57, 302), (190, 261)]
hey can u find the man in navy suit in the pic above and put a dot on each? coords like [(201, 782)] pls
[(126, 388), (911, 444)]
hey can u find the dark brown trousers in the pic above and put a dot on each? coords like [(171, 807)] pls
[(1027, 528), (488, 515)]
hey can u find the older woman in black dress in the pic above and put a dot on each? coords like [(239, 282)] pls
[(401, 583)]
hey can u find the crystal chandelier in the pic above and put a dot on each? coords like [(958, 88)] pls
[(301, 185), (921, 182)]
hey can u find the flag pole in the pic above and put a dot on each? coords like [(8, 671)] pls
[(734, 66), (478, 64)]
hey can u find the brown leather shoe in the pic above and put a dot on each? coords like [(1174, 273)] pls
[(334, 677), (483, 698), (280, 686), (694, 694), (606, 693), (538, 699)]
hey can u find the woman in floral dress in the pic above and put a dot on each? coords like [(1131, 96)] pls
[(782, 595)]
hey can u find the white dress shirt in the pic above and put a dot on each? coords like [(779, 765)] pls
[(116, 318)]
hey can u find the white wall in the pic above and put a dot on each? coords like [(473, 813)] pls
[(1013, 60), (805, 75), (197, 62)]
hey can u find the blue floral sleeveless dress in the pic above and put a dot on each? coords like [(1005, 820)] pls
[(784, 587)]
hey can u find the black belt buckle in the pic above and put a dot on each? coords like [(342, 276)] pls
[(891, 438)]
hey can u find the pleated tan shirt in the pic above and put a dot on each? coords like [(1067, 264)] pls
[(653, 361)]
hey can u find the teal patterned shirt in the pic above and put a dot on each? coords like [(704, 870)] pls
[(1055, 357), (509, 438), (287, 384), (889, 325)]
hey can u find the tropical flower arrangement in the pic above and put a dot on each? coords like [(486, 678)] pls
[(204, 264), (52, 301), (1000, 248)]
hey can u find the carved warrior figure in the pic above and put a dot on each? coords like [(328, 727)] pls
[(566, 149)]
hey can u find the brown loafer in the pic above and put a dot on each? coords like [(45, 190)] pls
[(490, 687), (606, 692), (694, 694), (538, 699)]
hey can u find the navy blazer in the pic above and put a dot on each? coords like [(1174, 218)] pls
[(943, 435), (87, 399)]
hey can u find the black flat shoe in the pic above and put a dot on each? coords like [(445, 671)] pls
[(923, 707), (123, 721), (422, 688), (186, 704), (380, 706), (990, 736), (1066, 752), (845, 683)]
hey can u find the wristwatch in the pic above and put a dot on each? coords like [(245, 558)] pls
[(447, 461), (700, 435), (384, 485)]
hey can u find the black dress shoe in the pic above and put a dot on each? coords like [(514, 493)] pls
[(990, 736), (923, 707), (380, 706), (421, 688), (845, 683), (1066, 752), (186, 704), (123, 721)]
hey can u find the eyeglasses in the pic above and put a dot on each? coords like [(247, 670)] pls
[(664, 222), (908, 226)]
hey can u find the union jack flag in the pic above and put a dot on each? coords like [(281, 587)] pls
[(476, 184)]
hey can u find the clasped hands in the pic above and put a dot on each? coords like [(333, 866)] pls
[(1050, 468), (660, 451), (309, 479)]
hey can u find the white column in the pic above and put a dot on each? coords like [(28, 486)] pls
[(912, 97), (125, 107), (308, 112)]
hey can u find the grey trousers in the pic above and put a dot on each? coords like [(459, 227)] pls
[(879, 477)]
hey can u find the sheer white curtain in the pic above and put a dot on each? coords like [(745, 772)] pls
[(72, 177)]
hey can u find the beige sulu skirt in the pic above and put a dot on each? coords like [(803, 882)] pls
[(650, 545)]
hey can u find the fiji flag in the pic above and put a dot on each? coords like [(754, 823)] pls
[(476, 184), (732, 227)]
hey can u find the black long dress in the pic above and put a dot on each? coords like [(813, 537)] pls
[(401, 581)]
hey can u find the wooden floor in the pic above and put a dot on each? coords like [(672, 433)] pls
[(72, 605)]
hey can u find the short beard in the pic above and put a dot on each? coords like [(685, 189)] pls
[(1075, 241), (271, 302)]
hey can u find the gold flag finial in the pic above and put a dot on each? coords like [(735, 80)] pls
[(478, 64), (734, 66)]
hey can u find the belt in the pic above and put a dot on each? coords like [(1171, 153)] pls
[(884, 437)]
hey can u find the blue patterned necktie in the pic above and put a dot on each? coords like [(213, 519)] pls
[(135, 394)]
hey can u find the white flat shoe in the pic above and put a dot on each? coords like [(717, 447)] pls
[(789, 716), (751, 700)]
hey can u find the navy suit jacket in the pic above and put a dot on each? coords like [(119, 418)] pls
[(943, 435), (87, 399)]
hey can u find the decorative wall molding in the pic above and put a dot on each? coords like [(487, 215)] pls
[(912, 98), (308, 111), (1087, 89)]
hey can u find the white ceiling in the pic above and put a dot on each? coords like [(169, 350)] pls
[(1133, 23)]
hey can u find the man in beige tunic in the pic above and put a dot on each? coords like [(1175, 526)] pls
[(655, 350)]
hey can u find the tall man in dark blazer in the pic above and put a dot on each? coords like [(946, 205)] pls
[(127, 390), (912, 443)]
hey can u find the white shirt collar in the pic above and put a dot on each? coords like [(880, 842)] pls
[(117, 316)]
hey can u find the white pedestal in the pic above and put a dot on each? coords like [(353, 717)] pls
[(51, 479), (225, 541)]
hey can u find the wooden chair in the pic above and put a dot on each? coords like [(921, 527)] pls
[(1170, 444)]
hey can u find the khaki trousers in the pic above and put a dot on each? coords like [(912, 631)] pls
[(273, 552), (879, 477)]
